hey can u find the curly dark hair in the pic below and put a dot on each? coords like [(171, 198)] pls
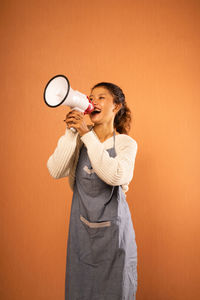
[(122, 121)]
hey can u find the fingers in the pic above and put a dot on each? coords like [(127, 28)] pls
[(75, 119), (70, 119), (74, 123), (74, 116)]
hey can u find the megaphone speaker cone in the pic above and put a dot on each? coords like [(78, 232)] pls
[(56, 90)]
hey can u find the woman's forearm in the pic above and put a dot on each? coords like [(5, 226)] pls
[(114, 171), (60, 161)]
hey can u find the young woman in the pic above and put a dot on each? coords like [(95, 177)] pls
[(99, 160)]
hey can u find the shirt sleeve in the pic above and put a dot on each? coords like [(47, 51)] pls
[(116, 170), (61, 161)]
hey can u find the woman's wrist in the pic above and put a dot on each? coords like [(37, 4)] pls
[(83, 132)]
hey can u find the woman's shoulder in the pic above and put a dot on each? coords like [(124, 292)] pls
[(122, 142), (124, 139)]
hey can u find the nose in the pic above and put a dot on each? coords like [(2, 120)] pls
[(94, 101)]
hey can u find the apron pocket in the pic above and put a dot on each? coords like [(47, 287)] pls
[(98, 241)]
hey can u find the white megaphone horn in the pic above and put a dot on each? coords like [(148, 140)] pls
[(58, 92)]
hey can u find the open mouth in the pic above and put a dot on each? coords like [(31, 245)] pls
[(95, 111)]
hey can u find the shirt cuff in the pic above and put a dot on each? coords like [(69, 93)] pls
[(90, 138)]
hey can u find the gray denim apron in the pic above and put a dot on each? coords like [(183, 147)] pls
[(101, 259)]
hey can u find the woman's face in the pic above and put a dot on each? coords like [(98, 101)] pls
[(103, 106)]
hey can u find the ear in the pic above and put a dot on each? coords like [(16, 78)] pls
[(117, 107)]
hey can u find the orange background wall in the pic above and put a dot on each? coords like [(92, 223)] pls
[(150, 49)]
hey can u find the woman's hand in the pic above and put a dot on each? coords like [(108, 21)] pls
[(76, 120)]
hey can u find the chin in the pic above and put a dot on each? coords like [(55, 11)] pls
[(95, 119)]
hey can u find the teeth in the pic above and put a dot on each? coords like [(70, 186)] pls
[(95, 110)]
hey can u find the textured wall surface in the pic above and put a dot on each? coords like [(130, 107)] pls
[(151, 50)]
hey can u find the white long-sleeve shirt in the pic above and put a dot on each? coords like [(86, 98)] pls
[(114, 171)]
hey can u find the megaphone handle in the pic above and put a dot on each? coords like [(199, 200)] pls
[(78, 109), (73, 130)]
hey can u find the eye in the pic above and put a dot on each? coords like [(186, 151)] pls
[(101, 97)]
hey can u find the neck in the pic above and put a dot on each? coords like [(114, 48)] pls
[(104, 131)]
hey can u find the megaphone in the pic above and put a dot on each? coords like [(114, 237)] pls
[(58, 92)]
